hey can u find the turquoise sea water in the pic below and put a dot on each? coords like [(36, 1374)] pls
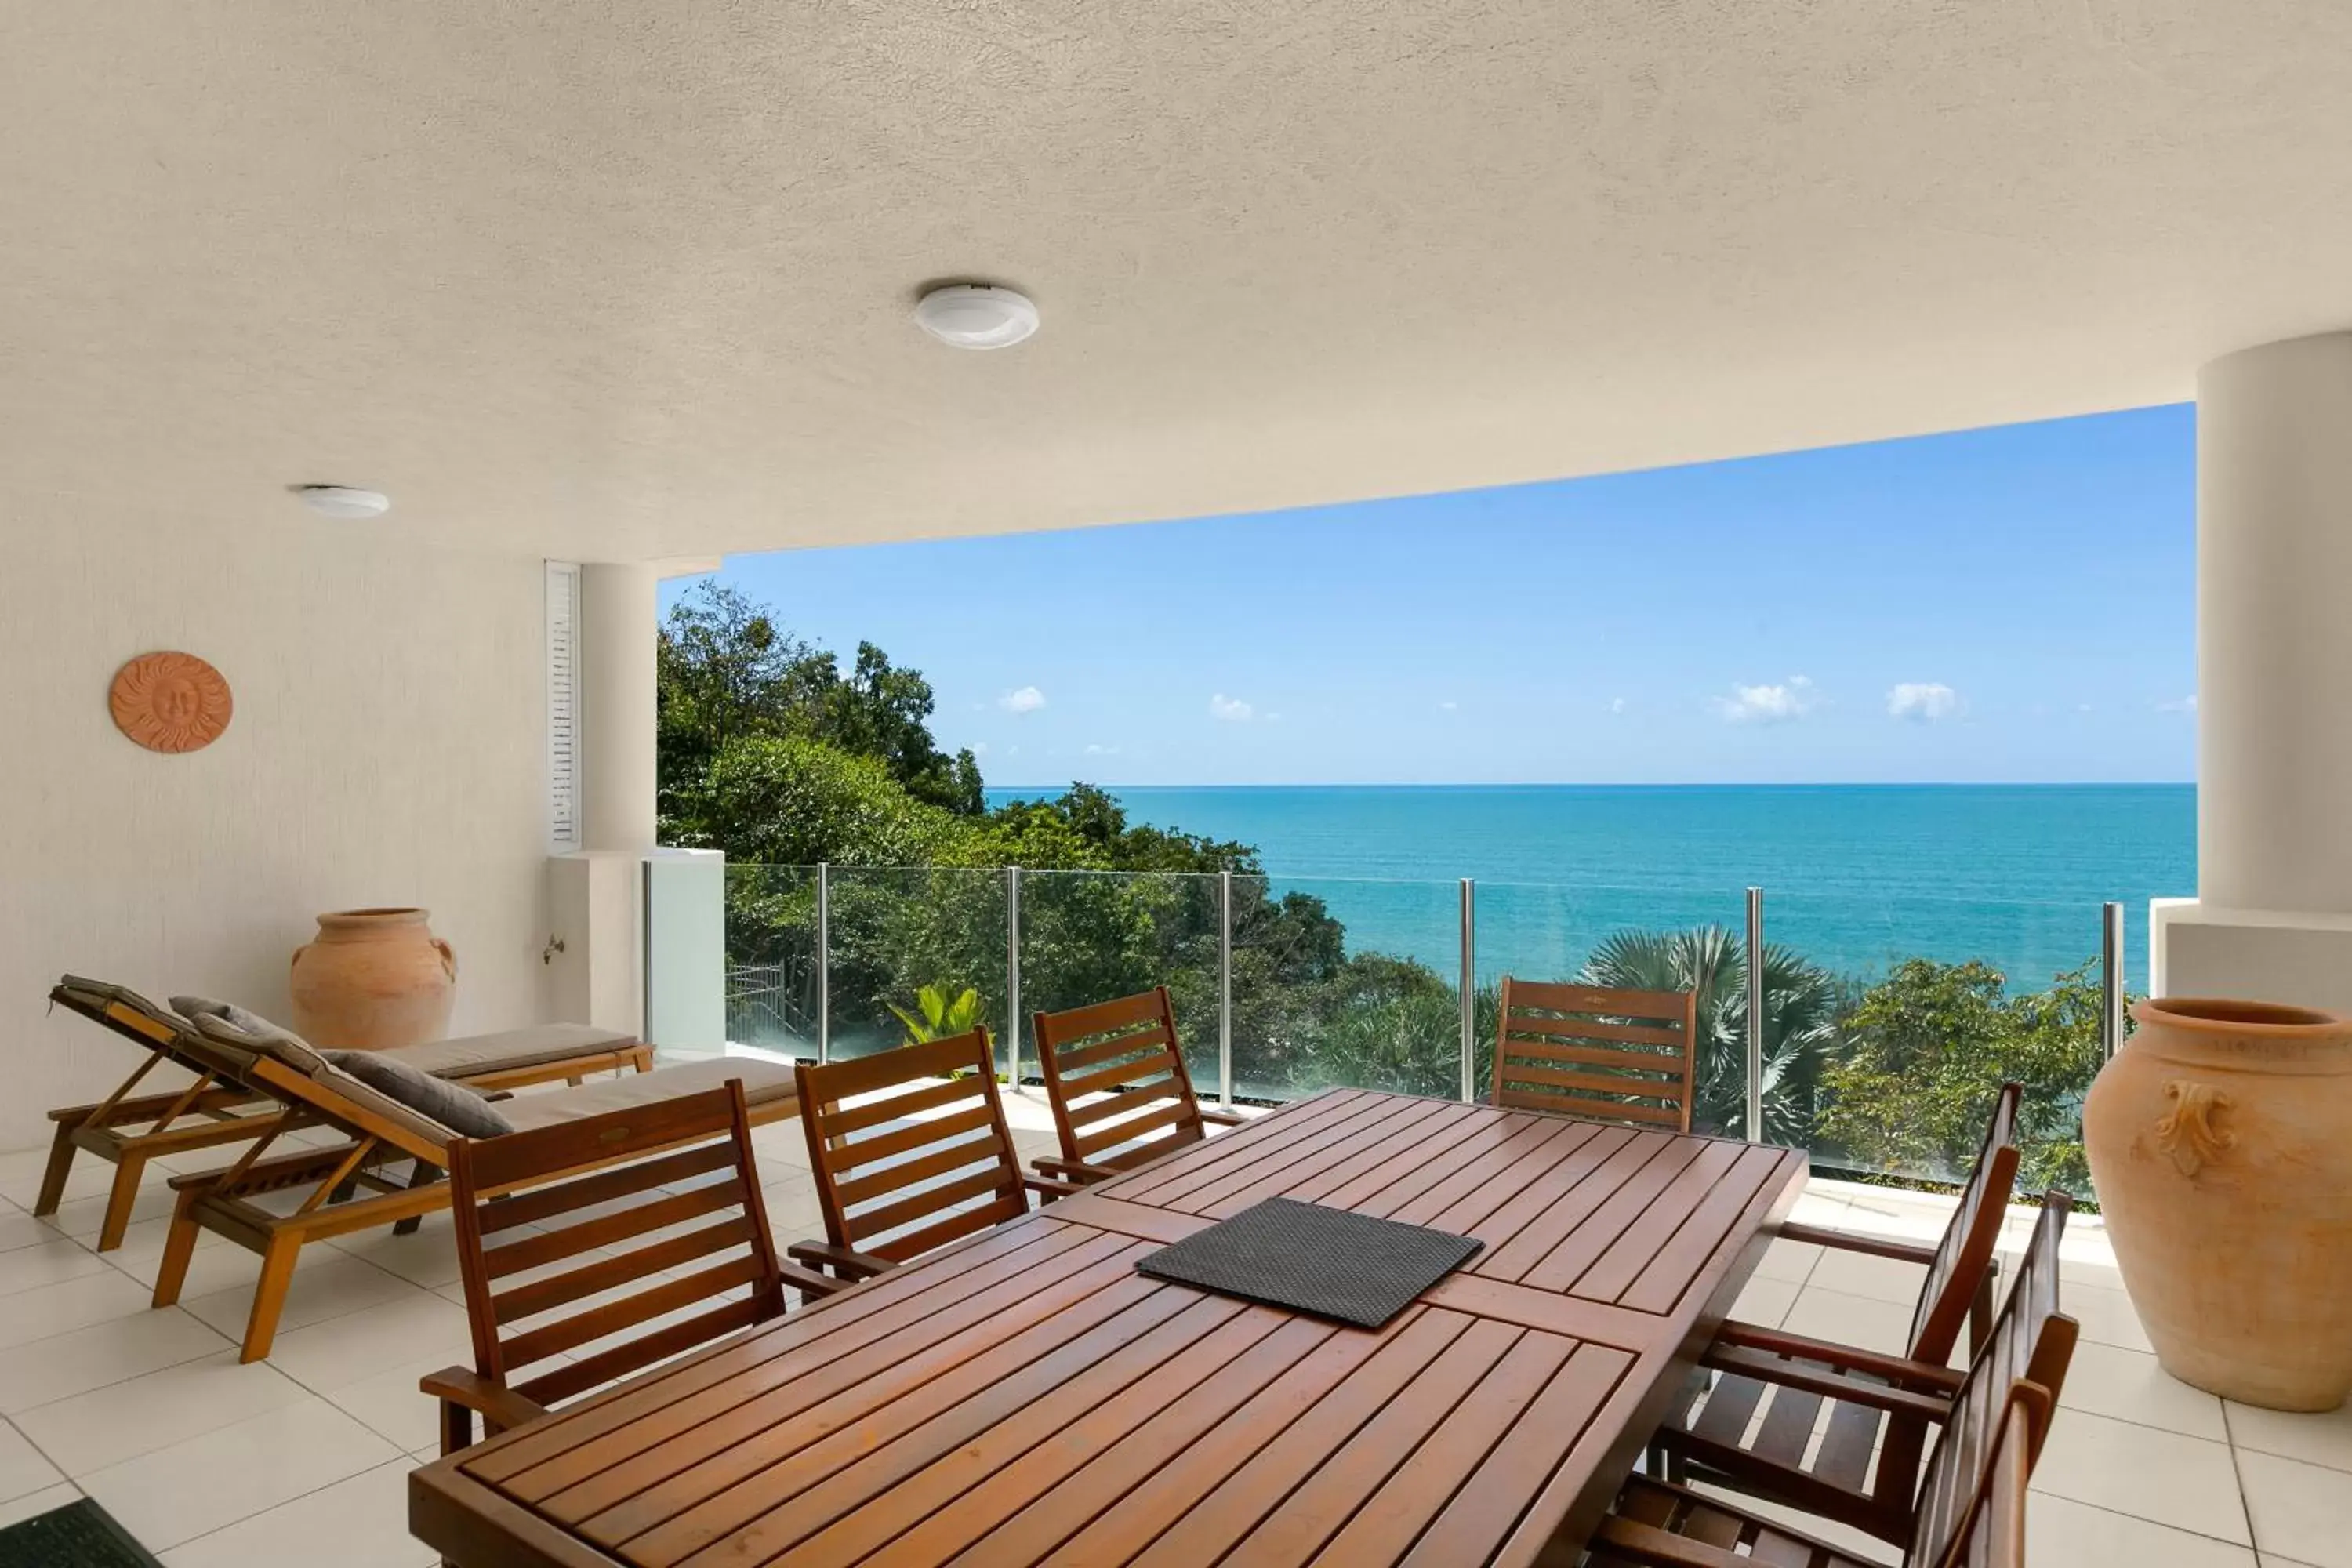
[(1855, 876)]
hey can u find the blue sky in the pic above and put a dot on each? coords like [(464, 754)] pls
[(2006, 605)]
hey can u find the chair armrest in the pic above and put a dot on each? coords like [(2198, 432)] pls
[(501, 1406), (1846, 1241), (1807, 1379), (1224, 1118), (1072, 1170), (1630, 1540), (812, 1285), (1049, 1189), (1900, 1370), (848, 1262)]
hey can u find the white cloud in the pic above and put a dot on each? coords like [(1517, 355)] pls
[(1232, 709), (980, 748), (1028, 700), (2184, 705), (1792, 698), (1447, 707), (1922, 702), (1616, 705), (1094, 751)]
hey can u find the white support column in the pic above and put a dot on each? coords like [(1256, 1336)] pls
[(645, 926), (2273, 919), (619, 608)]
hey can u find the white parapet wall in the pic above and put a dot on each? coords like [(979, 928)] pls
[(2267, 956)]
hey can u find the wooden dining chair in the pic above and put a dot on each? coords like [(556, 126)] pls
[(2030, 1338), (1121, 1093), (563, 1197), (1599, 1053), (1972, 1512), (921, 1158), (1710, 1434)]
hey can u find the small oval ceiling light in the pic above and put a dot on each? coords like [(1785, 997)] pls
[(976, 316), (342, 502)]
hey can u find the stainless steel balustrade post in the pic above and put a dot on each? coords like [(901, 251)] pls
[(1754, 1015), (1225, 989), (1469, 990), (1012, 976), (2111, 980), (824, 963)]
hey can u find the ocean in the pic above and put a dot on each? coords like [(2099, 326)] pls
[(1855, 876)]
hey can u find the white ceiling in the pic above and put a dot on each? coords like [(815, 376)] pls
[(612, 278)]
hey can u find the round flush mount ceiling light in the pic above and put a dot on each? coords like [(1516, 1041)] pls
[(976, 316), (342, 502)]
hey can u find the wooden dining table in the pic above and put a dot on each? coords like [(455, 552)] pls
[(1026, 1397)]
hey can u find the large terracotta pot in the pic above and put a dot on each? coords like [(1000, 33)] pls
[(373, 978), (2220, 1144)]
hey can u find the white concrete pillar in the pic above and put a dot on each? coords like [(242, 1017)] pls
[(2273, 918), (618, 606)]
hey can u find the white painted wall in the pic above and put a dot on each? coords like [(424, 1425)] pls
[(388, 748)]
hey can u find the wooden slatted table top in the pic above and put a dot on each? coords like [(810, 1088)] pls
[(1026, 1397)]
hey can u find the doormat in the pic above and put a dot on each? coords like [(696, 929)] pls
[(81, 1533)]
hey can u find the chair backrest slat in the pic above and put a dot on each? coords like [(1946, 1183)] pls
[(1964, 1250), (1598, 1052), (1116, 1080), (2023, 1365), (587, 1188), (926, 1160)]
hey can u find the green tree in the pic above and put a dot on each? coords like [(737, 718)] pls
[(1800, 1005), (1926, 1050)]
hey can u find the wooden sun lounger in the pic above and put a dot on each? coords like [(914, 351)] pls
[(276, 1205), (128, 1130)]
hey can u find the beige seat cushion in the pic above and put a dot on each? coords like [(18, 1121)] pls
[(764, 1083), (508, 1048)]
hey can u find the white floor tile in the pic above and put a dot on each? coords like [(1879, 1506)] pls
[(50, 1262), (2185, 1482), (23, 1467), (2061, 1534), (34, 1504), (211, 1270), (1764, 1302), (2301, 1512), (82, 1218), (37, 1314), (342, 1351), (18, 1229), (2315, 1440), (193, 1488), (327, 1284), (365, 1516), (1860, 1273), (1789, 1260), (428, 1257), (2106, 1316), (66, 1364), (124, 1420), (2130, 1386), (1856, 1320), (391, 1404)]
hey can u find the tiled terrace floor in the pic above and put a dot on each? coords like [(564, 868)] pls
[(302, 1459)]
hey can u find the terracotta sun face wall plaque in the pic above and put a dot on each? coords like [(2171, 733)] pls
[(169, 701)]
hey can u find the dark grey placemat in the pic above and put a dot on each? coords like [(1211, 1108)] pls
[(81, 1534), (1311, 1259)]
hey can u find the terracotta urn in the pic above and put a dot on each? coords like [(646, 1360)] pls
[(373, 978), (2220, 1144)]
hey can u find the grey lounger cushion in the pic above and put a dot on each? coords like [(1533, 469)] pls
[(764, 1083), (452, 1105), (473, 1054)]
